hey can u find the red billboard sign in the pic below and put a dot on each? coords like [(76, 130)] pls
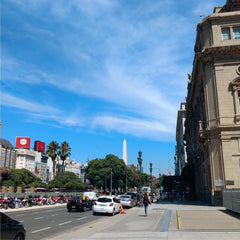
[(39, 146), (23, 142)]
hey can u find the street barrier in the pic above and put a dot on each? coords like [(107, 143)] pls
[(231, 199)]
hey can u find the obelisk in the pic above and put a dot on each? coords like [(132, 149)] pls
[(125, 151)]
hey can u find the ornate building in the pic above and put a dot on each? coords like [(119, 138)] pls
[(213, 105), (180, 156)]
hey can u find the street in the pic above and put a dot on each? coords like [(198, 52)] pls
[(165, 220), (168, 221), (44, 222)]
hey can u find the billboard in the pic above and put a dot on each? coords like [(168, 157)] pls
[(23, 142), (39, 146), (37, 168)]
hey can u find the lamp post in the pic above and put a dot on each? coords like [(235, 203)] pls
[(151, 177), (111, 164), (140, 165), (126, 178)]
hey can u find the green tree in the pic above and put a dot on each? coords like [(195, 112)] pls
[(23, 177), (70, 181), (4, 174), (52, 151), (99, 172), (64, 152)]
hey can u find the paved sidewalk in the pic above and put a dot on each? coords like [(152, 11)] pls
[(168, 221)]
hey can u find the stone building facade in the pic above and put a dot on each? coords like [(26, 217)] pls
[(213, 105), (7, 154), (180, 153)]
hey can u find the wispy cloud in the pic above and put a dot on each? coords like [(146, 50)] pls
[(19, 103), (132, 58)]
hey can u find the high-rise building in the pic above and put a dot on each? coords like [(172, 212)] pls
[(7, 154), (125, 151), (180, 155)]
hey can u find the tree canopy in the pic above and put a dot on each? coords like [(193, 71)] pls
[(21, 177)]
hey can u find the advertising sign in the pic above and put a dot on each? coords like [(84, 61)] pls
[(23, 142), (39, 146), (37, 168)]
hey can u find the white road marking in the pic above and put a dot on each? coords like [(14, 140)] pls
[(60, 224), (38, 218), (41, 230), (54, 215), (81, 218)]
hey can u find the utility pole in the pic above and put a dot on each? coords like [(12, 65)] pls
[(111, 164)]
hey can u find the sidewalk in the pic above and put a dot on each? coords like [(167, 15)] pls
[(168, 221)]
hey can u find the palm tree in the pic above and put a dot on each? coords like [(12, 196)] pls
[(52, 151), (64, 152)]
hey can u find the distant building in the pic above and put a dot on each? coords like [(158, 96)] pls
[(180, 155), (25, 159), (8, 154), (73, 166)]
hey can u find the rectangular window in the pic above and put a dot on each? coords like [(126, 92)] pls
[(225, 34), (236, 33)]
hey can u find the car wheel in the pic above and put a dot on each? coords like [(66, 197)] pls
[(94, 213), (69, 209), (112, 214), (84, 209), (19, 236)]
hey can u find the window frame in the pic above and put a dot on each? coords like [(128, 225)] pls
[(234, 28), (229, 33)]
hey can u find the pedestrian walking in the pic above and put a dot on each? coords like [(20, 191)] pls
[(146, 202)]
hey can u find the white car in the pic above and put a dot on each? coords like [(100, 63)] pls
[(92, 195), (106, 204)]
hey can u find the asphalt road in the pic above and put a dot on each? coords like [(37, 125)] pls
[(42, 223)]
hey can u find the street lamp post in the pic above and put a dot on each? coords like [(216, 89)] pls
[(151, 177), (140, 165), (126, 179), (111, 164)]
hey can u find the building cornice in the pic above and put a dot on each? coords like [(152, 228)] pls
[(215, 52)]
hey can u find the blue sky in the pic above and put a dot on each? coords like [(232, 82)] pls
[(96, 72)]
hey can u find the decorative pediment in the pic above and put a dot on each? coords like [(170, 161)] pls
[(235, 82)]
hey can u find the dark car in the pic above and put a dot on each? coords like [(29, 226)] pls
[(79, 203), (11, 229)]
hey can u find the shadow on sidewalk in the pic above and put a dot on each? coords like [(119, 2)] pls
[(182, 202), (231, 213)]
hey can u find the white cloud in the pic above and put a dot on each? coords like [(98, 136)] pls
[(148, 129), (16, 102)]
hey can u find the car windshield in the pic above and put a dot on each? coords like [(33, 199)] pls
[(76, 198), (104, 200), (125, 196)]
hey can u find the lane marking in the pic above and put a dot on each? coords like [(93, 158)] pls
[(81, 218), (54, 215), (166, 221), (60, 224), (178, 220), (38, 218), (85, 226), (43, 229)]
